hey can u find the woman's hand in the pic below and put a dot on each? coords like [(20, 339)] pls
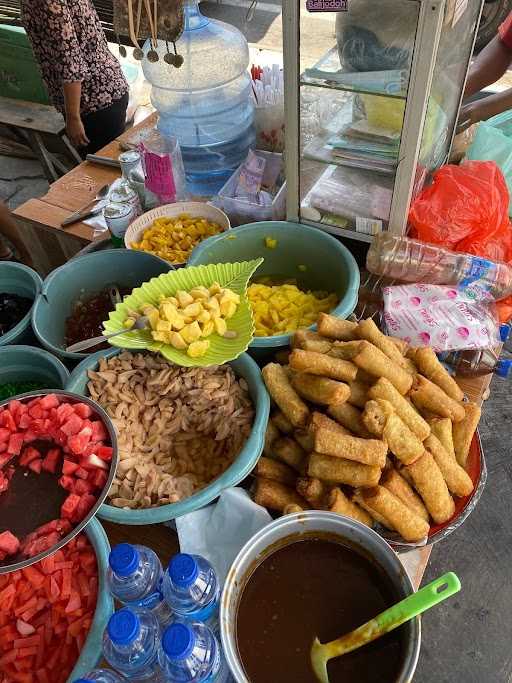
[(76, 131)]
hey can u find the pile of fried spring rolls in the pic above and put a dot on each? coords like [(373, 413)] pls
[(366, 427)]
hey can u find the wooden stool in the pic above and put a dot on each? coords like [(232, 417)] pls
[(29, 121)]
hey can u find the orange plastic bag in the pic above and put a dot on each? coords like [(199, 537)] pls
[(465, 209)]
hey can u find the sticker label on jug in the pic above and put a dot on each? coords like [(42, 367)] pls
[(327, 5)]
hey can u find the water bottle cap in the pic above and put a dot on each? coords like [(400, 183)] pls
[(503, 368), (123, 627), (178, 641), (123, 559), (183, 570), (504, 332), (84, 680)]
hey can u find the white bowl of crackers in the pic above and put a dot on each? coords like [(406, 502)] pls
[(172, 231), (368, 427)]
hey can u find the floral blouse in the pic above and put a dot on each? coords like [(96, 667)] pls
[(70, 45)]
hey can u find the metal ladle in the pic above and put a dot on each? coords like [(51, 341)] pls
[(140, 324)]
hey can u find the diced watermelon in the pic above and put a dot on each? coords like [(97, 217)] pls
[(99, 431), (4, 434), (37, 412), (51, 461), (67, 483), (99, 478), (4, 458), (35, 466), (15, 443), (9, 543), (81, 473), (25, 421), (30, 453), (69, 506), (60, 525), (7, 421), (105, 453), (34, 576), (81, 487), (69, 467), (93, 462), (86, 503), (82, 410), (49, 401), (72, 425)]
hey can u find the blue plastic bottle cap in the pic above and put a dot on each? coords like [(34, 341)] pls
[(503, 368), (183, 570), (178, 641), (504, 332), (84, 680), (123, 627), (124, 559)]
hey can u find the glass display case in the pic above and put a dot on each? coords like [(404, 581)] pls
[(371, 118)]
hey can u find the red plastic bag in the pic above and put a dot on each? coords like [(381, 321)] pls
[(465, 209)]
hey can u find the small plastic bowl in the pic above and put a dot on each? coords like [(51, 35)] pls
[(15, 278), (91, 653), (193, 209), (244, 367)]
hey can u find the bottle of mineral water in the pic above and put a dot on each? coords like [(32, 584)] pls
[(191, 653), (101, 676), (131, 645), (191, 589), (134, 578)]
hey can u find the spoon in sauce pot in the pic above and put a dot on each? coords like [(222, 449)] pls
[(405, 610), (140, 324)]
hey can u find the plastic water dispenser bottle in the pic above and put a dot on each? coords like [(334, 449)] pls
[(191, 589), (101, 676), (206, 103), (131, 645), (134, 578), (190, 653)]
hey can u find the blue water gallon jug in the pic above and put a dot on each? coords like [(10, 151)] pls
[(206, 103)]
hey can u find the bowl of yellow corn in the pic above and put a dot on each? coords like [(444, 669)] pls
[(172, 231), (305, 272)]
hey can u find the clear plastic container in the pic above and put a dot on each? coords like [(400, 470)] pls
[(101, 676), (134, 578), (408, 260), (164, 175), (131, 645), (191, 589), (191, 653), (207, 103)]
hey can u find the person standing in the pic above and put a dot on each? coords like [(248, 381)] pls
[(84, 79)]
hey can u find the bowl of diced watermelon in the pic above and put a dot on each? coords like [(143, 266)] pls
[(58, 457), (53, 613)]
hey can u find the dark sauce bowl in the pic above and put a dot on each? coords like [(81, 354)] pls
[(307, 525)]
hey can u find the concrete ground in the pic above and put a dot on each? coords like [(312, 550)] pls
[(468, 639)]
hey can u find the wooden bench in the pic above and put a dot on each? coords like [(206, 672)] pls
[(30, 122)]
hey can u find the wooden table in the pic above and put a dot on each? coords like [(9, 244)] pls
[(40, 219)]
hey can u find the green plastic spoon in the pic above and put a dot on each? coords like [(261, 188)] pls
[(417, 603)]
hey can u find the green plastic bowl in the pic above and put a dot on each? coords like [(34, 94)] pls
[(326, 264), (91, 653), (244, 367), (15, 278), (30, 364), (85, 276)]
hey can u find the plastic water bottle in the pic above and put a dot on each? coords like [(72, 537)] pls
[(131, 645), (101, 676), (191, 589), (191, 653), (207, 103), (134, 578), (479, 362), (408, 260)]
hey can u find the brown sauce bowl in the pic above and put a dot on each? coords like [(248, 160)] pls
[(301, 526)]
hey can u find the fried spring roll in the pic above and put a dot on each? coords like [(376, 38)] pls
[(288, 451), (372, 360), (340, 471), (313, 490), (320, 389), (271, 435), (335, 328), (349, 417), (345, 350), (319, 420), (464, 431), (282, 423), (399, 487), (282, 357), (364, 377), (303, 337), (317, 346), (368, 330), (305, 439), (339, 503), (358, 394), (403, 443), (408, 524), (430, 366), (428, 396), (430, 484), (457, 479), (375, 416), (380, 519), (365, 451), (384, 389), (442, 428), (267, 468), (290, 509), (401, 345), (284, 394), (320, 364), (276, 496)]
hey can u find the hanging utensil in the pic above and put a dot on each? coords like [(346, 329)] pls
[(405, 610)]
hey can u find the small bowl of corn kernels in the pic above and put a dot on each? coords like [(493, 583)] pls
[(172, 231)]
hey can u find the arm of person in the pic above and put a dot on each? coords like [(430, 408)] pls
[(74, 126), (11, 231)]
